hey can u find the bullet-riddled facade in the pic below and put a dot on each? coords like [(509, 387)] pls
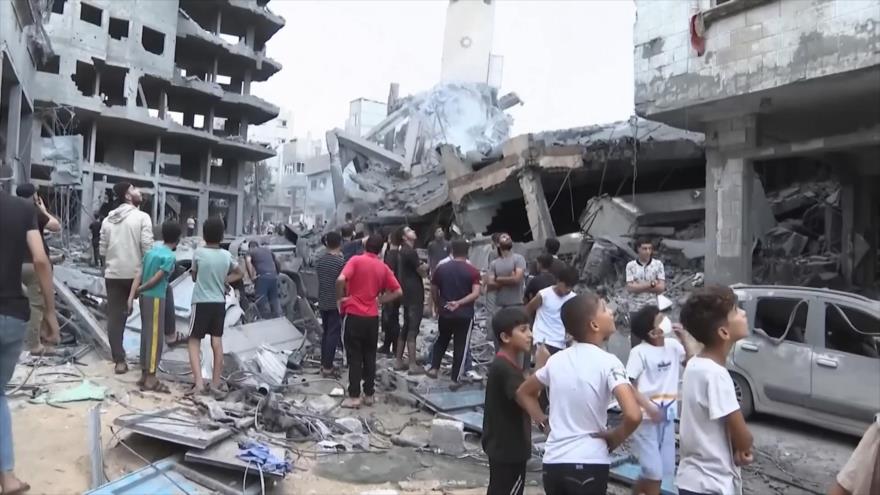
[(157, 93)]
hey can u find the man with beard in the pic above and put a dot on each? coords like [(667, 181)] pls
[(126, 235)]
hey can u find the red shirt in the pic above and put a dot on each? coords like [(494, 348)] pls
[(366, 276)]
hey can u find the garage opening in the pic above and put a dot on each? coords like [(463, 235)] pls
[(153, 41)]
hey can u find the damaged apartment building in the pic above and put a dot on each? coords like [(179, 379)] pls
[(787, 94), (153, 92)]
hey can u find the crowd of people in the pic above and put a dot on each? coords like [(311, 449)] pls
[(551, 371)]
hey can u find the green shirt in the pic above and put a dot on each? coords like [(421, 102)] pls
[(212, 265), (160, 257)]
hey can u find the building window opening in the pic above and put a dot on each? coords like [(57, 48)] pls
[(118, 28), (51, 65), (58, 6), (90, 14), (153, 41), (84, 78), (300, 167)]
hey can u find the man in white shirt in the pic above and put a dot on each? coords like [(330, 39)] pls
[(545, 308), (645, 280)]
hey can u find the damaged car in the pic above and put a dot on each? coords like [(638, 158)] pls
[(812, 355)]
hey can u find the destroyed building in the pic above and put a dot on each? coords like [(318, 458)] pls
[(156, 93), (786, 92)]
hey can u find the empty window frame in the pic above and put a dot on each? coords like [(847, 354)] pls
[(782, 317), (153, 41), (300, 167), (853, 331), (90, 13), (58, 6), (118, 28)]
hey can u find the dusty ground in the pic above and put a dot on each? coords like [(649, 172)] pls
[(52, 451)]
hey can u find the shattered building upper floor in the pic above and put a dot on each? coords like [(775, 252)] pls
[(786, 91), (154, 92)]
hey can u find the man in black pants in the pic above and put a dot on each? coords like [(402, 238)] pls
[(358, 287), (391, 311), (455, 286), (412, 273), (126, 235)]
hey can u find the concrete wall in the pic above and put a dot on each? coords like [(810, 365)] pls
[(467, 41), (772, 44), (319, 202), (363, 115)]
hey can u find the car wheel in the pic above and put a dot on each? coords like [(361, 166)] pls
[(743, 395)]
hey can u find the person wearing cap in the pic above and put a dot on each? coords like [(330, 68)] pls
[(45, 221), (126, 236)]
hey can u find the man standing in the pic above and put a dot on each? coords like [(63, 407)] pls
[(412, 274), (328, 268), (455, 286), (263, 269), (551, 247), (126, 236), (350, 247), (95, 229), (21, 237), (391, 311), (645, 279), (543, 279), (45, 221), (190, 227), (358, 289), (506, 275), (437, 249)]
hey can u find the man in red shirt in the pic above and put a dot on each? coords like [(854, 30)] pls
[(365, 282)]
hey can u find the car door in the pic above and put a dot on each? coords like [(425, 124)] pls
[(846, 367), (776, 355)]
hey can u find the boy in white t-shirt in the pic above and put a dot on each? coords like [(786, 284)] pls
[(545, 307), (654, 366), (584, 379), (714, 439)]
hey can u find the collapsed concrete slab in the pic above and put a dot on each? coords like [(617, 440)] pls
[(357, 145)]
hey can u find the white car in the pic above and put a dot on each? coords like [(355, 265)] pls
[(812, 355)]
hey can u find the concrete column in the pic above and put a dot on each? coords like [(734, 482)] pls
[(219, 22), (865, 227), (88, 183), (213, 74), (158, 197), (189, 119), (246, 82), (26, 142), (163, 104), (729, 185), (847, 218), (237, 228), (250, 37), (536, 205), (209, 120), (13, 130)]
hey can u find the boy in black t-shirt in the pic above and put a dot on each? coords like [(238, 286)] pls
[(506, 427)]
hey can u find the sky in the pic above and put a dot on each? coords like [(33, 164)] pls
[(571, 62)]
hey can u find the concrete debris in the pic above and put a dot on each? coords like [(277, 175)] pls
[(448, 436), (176, 425)]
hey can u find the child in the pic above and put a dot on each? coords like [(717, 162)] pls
[(545, 308), (714, 439), (150, 285), (213, 269), (654, 366), (583, 379), (506, 429)]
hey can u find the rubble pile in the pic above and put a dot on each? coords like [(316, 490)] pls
[(804, 248), (395, 172)]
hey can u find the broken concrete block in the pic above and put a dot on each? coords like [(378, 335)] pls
[(448, 436), (352, 425), (795, 244)]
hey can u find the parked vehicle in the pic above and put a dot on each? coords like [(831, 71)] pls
[(812, 355)]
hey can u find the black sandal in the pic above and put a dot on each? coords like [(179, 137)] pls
[(158, 387)]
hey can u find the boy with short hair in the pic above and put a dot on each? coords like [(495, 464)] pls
[(213, 269), (150, 284), (713, 437), (506, 428), (584, 378), (654, 367), (546, 308)]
